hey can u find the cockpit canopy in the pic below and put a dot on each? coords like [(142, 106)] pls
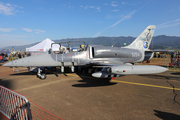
[(69, 46)]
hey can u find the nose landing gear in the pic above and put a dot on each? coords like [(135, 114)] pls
[(41, 74)]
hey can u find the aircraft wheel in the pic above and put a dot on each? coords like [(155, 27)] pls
[(43, 76)]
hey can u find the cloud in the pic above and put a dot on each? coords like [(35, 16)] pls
[(35, 30), (8, 9), (7, 29), (169, 24), (86, 7), (123, 3), (8, 4), (114, 2), (122, 19), (39, 31), (98, 9), (91, 7), (70, 7), (12, 40), (114, 5), (115, 10), (27, 30), (4, 36)]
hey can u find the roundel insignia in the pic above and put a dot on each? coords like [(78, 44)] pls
[(145, 45)]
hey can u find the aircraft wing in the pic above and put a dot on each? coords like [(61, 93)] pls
[(158, 50)]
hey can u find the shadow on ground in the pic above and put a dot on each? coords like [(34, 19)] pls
[(166, 115), (6, 83), (88, 81), (176, 73), (23, 73), (29, 73)]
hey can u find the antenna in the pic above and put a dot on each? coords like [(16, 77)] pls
[(113, 45), (112, 41)]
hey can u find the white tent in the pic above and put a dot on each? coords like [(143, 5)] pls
[(44, 46)]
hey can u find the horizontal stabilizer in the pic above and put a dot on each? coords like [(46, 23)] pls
[(158, 50)]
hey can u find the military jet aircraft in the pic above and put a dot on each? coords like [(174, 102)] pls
[(114, 61)]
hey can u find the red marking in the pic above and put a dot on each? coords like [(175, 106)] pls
[(69, 54), (129, 61), (40, 50), (112, 78), (124, 70)]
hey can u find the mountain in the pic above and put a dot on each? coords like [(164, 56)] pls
[(171, 42), (158, 42), (20, 48)]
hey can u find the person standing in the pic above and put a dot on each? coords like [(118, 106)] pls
[(1, 59), (10, 57)]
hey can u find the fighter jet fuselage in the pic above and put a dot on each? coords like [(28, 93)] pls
[(92, 55), (115, 61)]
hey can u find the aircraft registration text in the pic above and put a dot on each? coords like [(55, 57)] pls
[(135, 54)]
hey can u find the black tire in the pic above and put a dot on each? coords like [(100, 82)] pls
[(43, 76)]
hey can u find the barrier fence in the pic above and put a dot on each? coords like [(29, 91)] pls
[(15, 106)]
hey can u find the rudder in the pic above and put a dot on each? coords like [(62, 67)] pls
[(144, 39)]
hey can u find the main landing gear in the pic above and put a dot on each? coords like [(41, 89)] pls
[(41, 74)]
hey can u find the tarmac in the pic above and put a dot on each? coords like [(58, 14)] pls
[(79, 96)]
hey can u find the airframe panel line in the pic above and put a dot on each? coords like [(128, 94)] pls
[(148, 85)]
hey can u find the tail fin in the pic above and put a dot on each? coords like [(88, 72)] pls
[(143, 41)]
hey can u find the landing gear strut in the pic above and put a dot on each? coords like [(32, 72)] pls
[(41, 74)]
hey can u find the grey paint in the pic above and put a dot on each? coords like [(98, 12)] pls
[(114, 58)]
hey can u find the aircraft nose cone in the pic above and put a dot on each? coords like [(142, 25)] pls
[(9, 64)]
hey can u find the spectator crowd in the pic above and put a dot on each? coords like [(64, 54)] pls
[(12, 56), (175, 59)]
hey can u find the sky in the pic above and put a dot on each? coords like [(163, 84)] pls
[(28, 21)]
